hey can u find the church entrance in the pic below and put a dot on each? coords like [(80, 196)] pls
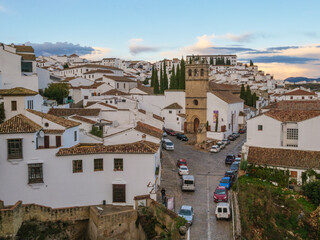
[(195, 124)]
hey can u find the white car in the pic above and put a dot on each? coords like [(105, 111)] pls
[(221, 144), (223, 211), (215, 149), (183, 170)]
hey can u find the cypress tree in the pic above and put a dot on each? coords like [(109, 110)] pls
[(248, 100), (242, 92), (251, 63), (211, 60), (254, 99), (173, 84), (161, 81), (165, 76), (182, 82), (178, 77), (152, 77), (156, 83)]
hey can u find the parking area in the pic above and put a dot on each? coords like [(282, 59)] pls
[(208, 169)]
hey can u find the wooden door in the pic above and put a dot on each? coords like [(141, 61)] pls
[(196, 125), (58, 141), (46, 142)]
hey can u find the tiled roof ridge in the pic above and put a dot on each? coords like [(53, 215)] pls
[(17, 91), (174, 105), (19, 124)]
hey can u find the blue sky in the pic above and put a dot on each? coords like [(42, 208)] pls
[(282, 37)]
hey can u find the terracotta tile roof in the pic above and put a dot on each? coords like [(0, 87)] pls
[(27, 56), (173, 106), (251, 108), (18, 91), (99, 71), (83, 119), (58, 120), (227, 96), (19, 124), (114, 92), (107, 105), (90, 103), (223, 87), (295, 104), (148, 90), (142, 111), (119, 79), (65, 112), (93, 86), (148, 129), (53, 131), (94, 66), (141, 147), (23, 48), (292, 115), (155, 116), (298, 92), (284, 157), (182, 115)]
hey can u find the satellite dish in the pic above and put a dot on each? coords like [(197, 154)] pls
[(41, 133)]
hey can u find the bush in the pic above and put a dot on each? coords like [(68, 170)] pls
[(95, 131), (243, 165), (57, 91), (180, 222), (312, 191), (269, 174)]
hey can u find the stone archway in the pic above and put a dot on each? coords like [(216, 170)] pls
[(195, 124)]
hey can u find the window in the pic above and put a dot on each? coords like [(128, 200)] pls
[(260, 128), (35, 173), (13, 105), (98, 164), (118, 164), (202, 72), (119, 192), (124, 85), (75, 136), (14, 148), (58, 141), (291, 97), (292, 133), (117, 85), (196, 72), (195, 102), (190, 72), (26, 66), (170, 111), (302, 97), (30, 104), (77, 166), (85, 97), (46, 124), (177, 119)]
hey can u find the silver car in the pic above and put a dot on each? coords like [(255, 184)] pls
[(187, 213)]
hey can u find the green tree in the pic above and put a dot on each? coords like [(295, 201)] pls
[(2, 114), (251, 63), (182, 80), (66, 66), (178, 76), (161, 80), (57, 91), (173, 84), (243, 92), (156, 83), (217, 123), (165, 76), (152, 76), (228, 62), (146, 81), (254, 99), (312, 191), (96, 131), (248, 99), (211, 60)]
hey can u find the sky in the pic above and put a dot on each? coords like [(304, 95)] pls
[(281, 36)]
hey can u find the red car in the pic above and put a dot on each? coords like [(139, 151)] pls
[(239, 154), (170, 132), (181, 162), (220, 194), (242, 130)]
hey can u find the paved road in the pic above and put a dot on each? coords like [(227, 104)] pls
[(208, 169)]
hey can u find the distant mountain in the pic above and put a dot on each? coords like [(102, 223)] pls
[(300, 79)]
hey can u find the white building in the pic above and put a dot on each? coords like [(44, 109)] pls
[(18, 67)]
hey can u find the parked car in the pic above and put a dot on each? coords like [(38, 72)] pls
[(234, 167), (226, 141), (237, 159), (221, 144), (170, 132), (182, 137), (215, 149), (220, 194), (187, 213), (231, 175), (183, 170), (239, 154), (242, 130), (230, 159), (226, 182), (223, 211), (231, 137), (188, 183), (164, 134), (181, 162), (167, 144), (236, 135)]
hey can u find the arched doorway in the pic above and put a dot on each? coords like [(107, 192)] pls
[(195, 124)]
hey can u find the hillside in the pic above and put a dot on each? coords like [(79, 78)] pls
[(300, 79)]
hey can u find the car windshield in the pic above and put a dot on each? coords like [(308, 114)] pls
[(183, 168), (213, 147), (185, 212), (224, 180), (229, 173), (169, 143), (220, 192)]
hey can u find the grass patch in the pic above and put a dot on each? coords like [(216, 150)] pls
[(308, 206)]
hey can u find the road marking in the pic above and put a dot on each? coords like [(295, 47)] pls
[(208, 209)]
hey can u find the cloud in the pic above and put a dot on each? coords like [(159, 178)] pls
[(246, 37), (282, 59), (136, 47), (97, 54), (60, 48)]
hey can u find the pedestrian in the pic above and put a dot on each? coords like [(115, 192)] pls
[(163, 193), (165, 201)]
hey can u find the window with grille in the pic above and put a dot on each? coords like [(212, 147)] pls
[(30, 104), (77, 166), (260, 128), (75, 136), (292, 133), (14, 148), (119, 192), (118, 164), (35, 173), (13, 105), (98, 164)]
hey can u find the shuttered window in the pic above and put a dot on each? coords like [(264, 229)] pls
[(119, 193)]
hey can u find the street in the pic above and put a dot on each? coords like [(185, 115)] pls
[(208, 169)]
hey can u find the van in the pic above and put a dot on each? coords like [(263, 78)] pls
[(223, 211), (167, 144), (188, 183)]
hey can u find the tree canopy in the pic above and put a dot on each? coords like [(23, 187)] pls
[(57, 91)]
